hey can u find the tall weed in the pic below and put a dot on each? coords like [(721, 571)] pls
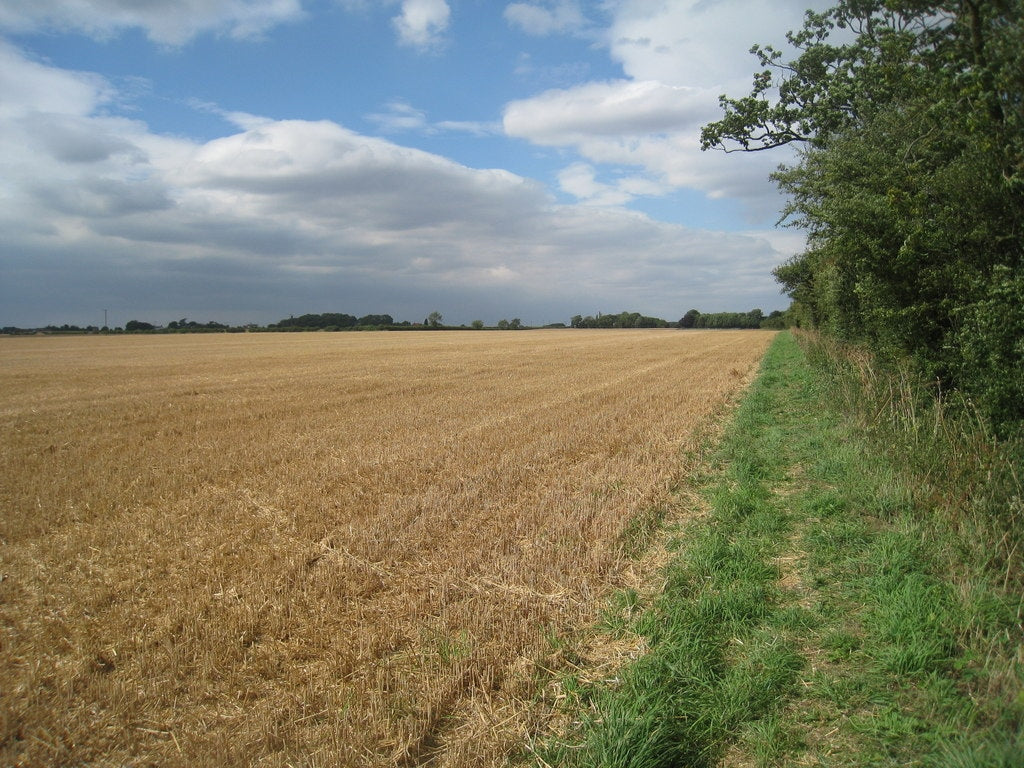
[(936, 472), (943, 459)]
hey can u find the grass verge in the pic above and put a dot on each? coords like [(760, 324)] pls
[(835, 607)]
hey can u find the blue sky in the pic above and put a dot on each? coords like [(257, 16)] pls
[(244, 160)]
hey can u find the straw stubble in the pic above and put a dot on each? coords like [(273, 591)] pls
[(322, 549)]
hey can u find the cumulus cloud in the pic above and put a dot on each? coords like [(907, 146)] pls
[(169, 22), (330, 178), (693, 43), (624, 108), (580, 180), (546, 19), (647, 125), (422, 23), (677, 58), (28, 86), (286, 216)]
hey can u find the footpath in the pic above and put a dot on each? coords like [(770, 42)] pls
[(815, 616)]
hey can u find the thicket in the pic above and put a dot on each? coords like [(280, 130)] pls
[(331, 320), (910, 184), (617, 320), (755, 318)]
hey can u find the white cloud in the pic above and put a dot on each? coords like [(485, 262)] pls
[(169, 22), (551, 18), (401, 117), (292, 216), (678, 58), (621, 108), (330, 177), (28, 86), (580, 180), (243, 120), (646, 125), (422, 23), (472, 127)]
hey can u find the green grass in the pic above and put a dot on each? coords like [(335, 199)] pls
[(826, 611)]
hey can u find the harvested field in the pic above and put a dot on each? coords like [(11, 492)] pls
[(322, 549)]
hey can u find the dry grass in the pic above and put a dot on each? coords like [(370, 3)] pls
[(321, 549)]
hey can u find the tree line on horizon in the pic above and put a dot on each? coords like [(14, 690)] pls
[(755, 318), (340, 321)]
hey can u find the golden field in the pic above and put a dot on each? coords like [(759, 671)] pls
[(323, 549)]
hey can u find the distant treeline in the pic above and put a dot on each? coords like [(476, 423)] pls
[(621, 320), (755, 318), (340, 321), (333, 321), (132, 326)]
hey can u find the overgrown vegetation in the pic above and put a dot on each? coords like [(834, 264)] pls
[(755, 318), (918, 557), (910, 183), (906, 519), (853, 597)]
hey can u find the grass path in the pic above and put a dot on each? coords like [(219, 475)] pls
[(815, 617)]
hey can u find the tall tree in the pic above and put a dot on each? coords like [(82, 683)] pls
[(910, 181)]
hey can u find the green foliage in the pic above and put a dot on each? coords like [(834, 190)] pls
[(755, 318), (910, 184), (914, 554), (689, 320), (990, 339), (332, 321), (721, 659), (847, 601), (191, 326), (323, 320), (375, 320), (621, 320), (990, 752)]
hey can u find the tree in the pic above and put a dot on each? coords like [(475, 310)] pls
[(376, 320), (477, 325), (434, 319), (323, 320), (138, 325), (776, 320), (689, 320), (910, 181)]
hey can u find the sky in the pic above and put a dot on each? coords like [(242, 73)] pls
[(243, 161)]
